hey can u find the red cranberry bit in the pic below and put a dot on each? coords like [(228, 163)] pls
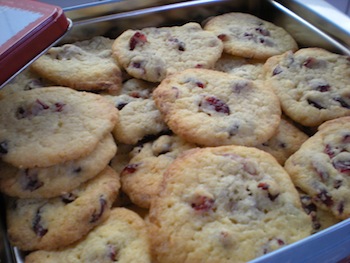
[(325, 197), (324, 175), (4, 148), (342, 166), (263, 186), (136, 64), (307, 204), (112, 252), (329, 151), (323, 88), (181, 46), (120, 106), (249, 36), (68, 198), (31, 181), (200, 85), (277, 70), (262, 31), (130, 168), (137, 39), (199, 66), (59, 106), (337, 184), (21, 113), (203, 204), (223, 37), (97, 215), (346, 138), (340, 207), (216, 104), (38, 228), (313, 63), (42, 104)]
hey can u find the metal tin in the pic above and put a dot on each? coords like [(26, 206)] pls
[(28, 29), (309, 28)]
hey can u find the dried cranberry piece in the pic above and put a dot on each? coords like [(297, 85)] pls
[(200, 85), (324, 175), (343, 166), (346, 138), (337, 184), (265, 187), (68, 198), (4, 147), (112, 252), (325, 197), (120, 106), (59, 106), (310, 62), (181, 46), (340, 207), (97, 215), (315, 104), (342, 102), (31, 181), (38, 228), (203, 203), (329, 151), (277, 70), (42, 104), (137, 39), (130, 168), (199, 66), (307, 204), (323, 88), (21, 113), (262, 31), (215, 104), (222, 37)]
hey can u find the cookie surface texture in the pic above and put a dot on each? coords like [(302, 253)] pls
[(46, 119), (57, 179), (143, 175), (57, 222), (154, 53), (84, 65), (238, 196), (248, 36), (121, 238), (321, 167), (214, 108), (313, 84)]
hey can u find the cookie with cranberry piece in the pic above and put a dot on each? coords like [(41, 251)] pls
[(57, 222), (154, 53), (286, 141), (240, 66), (246, 35), (26, 80), (313, 84), (142, 176), (321, 167), (225, 204), (57, 179), (121, 238), (213, 108), (84, 65), (52, 125), (321, 219), (138, 115)]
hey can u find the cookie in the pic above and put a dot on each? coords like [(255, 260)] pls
[(225, 204), (213, 108), (52, 125), (246, 35), (138, 115), (57, 222), (26, 80), (313, 84), (121, 238), (286, 141), (240, 66), (154, 53), (84, 65), (321, 219), (58, 179), (321, 167), (142, 176)]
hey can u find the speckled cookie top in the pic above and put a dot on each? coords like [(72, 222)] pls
[(57, 179), (248, 36), (121, 238), (313, 84), (214, 108), (321, 167), (154, 53), (57, 124), (225, 204)]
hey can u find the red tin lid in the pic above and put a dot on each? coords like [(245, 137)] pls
[(28, 28)]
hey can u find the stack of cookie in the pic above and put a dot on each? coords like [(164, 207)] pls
[(216, 128), (56, 145)]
